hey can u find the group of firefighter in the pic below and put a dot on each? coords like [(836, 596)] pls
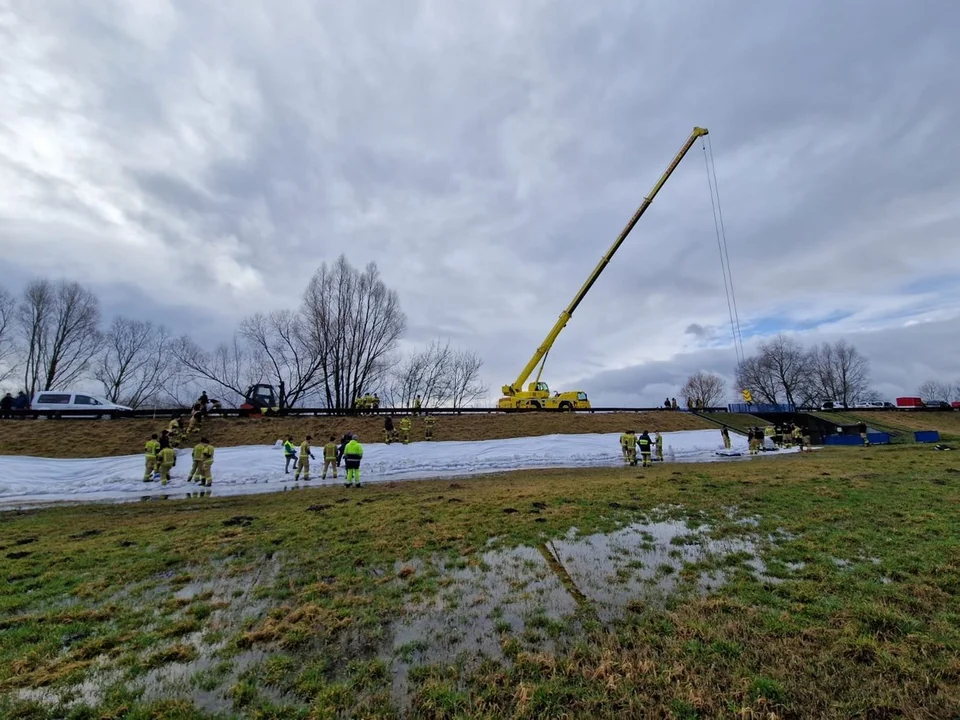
[(161, 457), (349, 451), (161, 449), (781, 436), (651, 449)]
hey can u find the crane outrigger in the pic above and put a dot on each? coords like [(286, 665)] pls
[(537, 395)]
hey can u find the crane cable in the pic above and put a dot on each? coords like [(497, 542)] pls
[(722, 249)]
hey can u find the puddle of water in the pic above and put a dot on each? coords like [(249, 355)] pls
[(539, 594), (233, 601)]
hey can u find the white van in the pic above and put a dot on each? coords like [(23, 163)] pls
[(63, 400)]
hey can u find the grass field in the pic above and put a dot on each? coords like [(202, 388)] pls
[(818, 585), (103, 438)]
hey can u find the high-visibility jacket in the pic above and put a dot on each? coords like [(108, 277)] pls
[(644, 443), (405, 424), (628, 441), (330, 451), (429, 420), (353, 451), (198, 451), (152, 447), (208, 453), (304, 449), (288, 448), (168, 456)]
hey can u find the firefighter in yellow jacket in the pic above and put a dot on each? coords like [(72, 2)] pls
[(197, 461), (166, 458), (405, 425), (330, 459), (428, 423), (206, 463), (303, 462), (628, 446), (151, 448)]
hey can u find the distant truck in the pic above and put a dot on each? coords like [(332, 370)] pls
[(908, 403)]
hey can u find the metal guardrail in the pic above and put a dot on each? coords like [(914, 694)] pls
[(351, 412), (326, 412)]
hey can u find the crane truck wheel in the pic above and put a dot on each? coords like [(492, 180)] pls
[(534, 405), (566, 407)]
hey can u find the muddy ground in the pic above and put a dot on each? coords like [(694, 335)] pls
[(105, 438)]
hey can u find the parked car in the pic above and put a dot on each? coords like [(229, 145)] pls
[(57, 400), (877, 404), (937, 404), (831, 405)]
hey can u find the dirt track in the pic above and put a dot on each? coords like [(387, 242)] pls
[(99, 438)]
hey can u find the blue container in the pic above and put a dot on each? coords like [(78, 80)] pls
[(927, 436), (843, 440), (879, 438)]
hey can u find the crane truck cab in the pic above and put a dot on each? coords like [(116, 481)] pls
[(537, 397)]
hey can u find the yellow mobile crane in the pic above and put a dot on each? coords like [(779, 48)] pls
[(537, 395)]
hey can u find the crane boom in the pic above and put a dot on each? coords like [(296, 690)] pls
[(565, 316)]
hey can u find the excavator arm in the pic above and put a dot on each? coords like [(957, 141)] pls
[(540, 354)]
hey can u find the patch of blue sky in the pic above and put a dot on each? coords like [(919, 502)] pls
[(948, 283), (773, 324)]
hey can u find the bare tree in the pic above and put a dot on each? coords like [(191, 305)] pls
[(8, 349), (134, 364), (291, 359), (466, 385), (424, 372), (936, 390), (59, 326), (355, 322), (756, 374), (789, 364), (704, 389), (231, 366), (841, 372)]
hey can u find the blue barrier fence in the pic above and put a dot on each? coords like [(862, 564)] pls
[(874, 438)]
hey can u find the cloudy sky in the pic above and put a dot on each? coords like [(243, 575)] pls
[(195, 161)]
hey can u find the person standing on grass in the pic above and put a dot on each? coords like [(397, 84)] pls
[(6, 407), (331, 457), (151, 449), (405, 426), (303, 464), (352, 455)]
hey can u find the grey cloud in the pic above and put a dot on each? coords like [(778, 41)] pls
[(487, 155)]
